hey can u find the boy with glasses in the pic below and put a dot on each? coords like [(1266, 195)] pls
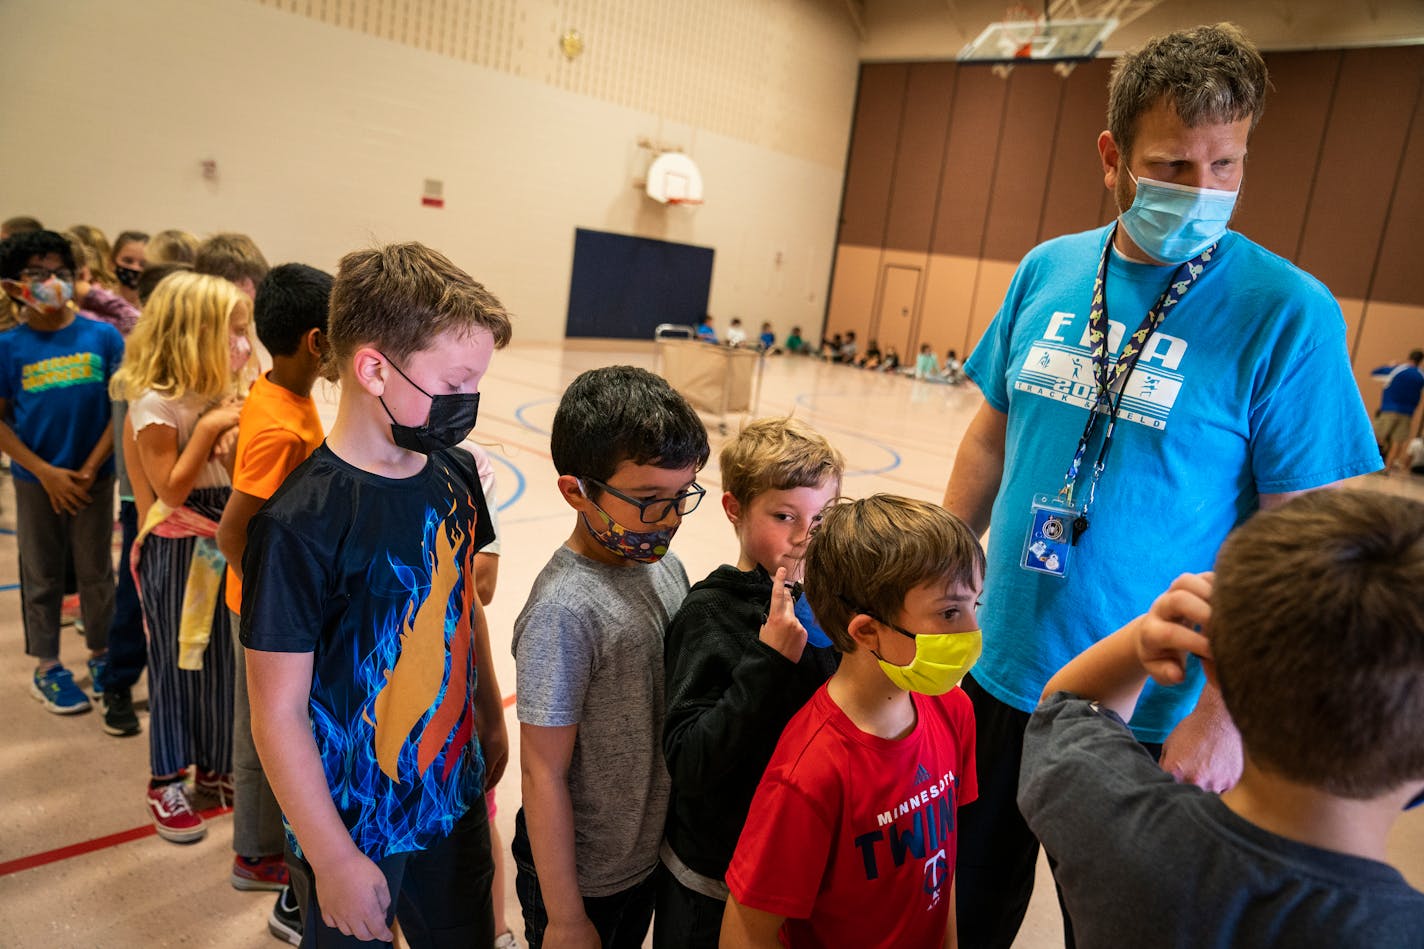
[(588, 650)]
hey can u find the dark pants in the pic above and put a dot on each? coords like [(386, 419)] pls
[(685, 919), (441, 896), (128, 653), (998, 853), (48, 546), (621, 919)]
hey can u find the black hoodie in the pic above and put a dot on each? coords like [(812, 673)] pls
[(729, 695)]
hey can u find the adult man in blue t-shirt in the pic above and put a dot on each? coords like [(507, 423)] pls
[(1402, 385), (1214, 371)]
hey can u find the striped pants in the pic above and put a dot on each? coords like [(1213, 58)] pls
[(190, 712)]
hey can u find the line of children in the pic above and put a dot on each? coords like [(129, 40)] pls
[(277, 430), (743, 655), (588, 649), (368, 658)]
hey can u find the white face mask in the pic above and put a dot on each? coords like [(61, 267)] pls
[(1174, 223)]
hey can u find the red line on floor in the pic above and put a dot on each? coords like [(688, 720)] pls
[(112, 840), (89, 846)]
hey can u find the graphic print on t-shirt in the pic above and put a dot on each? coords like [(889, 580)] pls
[(411, 687), (918, 826), (1058, 369), (58, 372)]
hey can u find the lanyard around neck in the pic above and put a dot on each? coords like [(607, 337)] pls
[(1109, 375)]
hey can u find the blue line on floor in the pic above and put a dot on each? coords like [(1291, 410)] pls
[(8, 587), (519, 414), (6, 530), (519, 481)]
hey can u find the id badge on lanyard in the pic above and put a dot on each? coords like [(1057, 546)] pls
[(1055, 523)]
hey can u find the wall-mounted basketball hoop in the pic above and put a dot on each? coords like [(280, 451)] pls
[(674, 179), (1026, 40)]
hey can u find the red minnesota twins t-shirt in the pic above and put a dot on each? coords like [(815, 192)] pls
[(851, 836)]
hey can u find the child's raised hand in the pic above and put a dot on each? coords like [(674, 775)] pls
[(782, 631), (1170, 630)]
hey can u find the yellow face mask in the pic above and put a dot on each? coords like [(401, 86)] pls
[(941, 660)]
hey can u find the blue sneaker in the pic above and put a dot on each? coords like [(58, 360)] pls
[(56, 689), (98, 676)]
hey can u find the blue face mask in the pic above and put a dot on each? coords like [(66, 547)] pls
[(1173, 223)]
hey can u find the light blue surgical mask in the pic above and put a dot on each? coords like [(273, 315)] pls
[(1173, 223)]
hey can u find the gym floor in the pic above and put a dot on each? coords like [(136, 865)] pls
[(79, 864)]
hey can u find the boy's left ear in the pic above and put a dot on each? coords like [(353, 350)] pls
[(315, 342)]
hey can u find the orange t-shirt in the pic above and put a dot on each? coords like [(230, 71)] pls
[(277, 430)]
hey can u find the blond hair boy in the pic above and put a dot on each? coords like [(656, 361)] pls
[(743, 654)]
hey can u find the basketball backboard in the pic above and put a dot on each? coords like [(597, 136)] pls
[(1038, 40)]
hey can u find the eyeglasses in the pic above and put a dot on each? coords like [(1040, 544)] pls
[(657, 509), (44, 273)]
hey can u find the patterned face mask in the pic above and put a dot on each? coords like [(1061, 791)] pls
[(640, 546), (47, 296)]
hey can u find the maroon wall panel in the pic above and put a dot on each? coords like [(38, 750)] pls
[(1397, 278), (1075, 182), (1025, 157), (920, 156), (870, 167), (1281, 162), (1364, 139), (969, 158)]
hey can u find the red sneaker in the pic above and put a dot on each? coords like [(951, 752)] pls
[(173, 816), (211, 789), (262, 873)]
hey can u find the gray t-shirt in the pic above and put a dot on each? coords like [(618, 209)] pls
[(588, 651), (1144, 861)]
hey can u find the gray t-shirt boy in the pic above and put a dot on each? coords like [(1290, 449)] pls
[(588, 651), (1144, 861)]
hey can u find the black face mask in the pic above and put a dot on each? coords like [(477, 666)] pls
[(451, 418), (128, 276)]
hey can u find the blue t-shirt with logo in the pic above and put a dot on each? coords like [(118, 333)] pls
[(1245, 389), (57, 384)]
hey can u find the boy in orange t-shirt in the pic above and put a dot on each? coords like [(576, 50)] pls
[(278, 429)]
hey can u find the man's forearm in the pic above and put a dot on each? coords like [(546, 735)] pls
[(978, 470)]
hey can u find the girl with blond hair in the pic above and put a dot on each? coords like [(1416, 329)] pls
[(181, 374)]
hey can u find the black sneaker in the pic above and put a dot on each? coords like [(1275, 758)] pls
[(119, 716), (286, 922)]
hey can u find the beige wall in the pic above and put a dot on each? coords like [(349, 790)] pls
[(324, 132)]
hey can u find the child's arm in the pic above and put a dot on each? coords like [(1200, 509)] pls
[(68, 491), (951, 932), (486, 576), (232, 529), (352, 890), (723, 698), (747, 928), (489, 703), (1113, 671), (99, 454), (172, 473), (138, 481), (544, 756)]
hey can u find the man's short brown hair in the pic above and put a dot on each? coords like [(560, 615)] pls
[(868, 554), (399, 297), (778, 454), (232, 257), (1208, 75), (1317, 630)]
